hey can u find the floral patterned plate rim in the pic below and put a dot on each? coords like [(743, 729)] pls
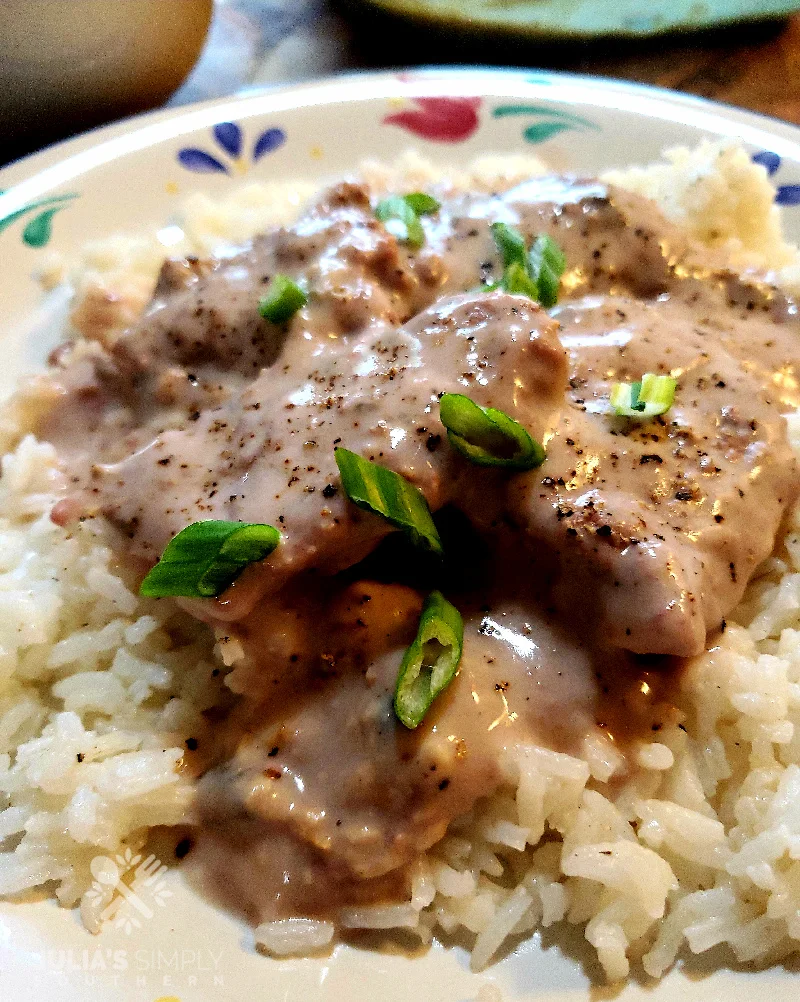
[(131, 177)]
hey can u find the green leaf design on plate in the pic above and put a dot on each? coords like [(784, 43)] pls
[(12, 217), (551, 120), (39, 229), (545, 130), (541, 109)]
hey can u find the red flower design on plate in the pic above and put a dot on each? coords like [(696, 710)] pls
[(441, 119)]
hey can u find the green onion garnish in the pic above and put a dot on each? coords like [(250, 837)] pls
[(510, 243), (546, 263), (380, 490), (400, 215), (283, 299), (517, 281), (535, 273), (206, 557), (422, 203), (431, 662), (652, 396), (487, 436)]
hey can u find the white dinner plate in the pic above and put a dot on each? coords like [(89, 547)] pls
[(131, 177)]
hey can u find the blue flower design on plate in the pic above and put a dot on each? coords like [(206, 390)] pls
[(230, 139), (786, 194)]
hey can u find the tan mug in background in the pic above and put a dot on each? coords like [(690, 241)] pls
[(68, 65)]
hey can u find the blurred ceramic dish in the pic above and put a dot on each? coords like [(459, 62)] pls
[(565, 19), (132, 177), (66, 66)]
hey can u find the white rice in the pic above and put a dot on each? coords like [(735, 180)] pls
[(100, 689)]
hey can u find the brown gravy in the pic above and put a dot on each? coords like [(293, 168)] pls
[(602, 568)]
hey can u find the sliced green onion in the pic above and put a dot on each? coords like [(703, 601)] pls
[(517, 281), (535, 273), (206, 557), (421, 203), (510, 242), (431, 662), (380, 490), (652, 396), (486, 436), (401, 220), (546, 263), (624, 399), (283, 299)]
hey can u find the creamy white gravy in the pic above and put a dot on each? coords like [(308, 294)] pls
[(582, 583)]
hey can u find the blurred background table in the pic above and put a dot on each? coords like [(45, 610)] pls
[(754, 65), (264, 43)]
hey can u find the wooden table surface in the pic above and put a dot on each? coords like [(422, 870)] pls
[(756, 66), (267, 42)]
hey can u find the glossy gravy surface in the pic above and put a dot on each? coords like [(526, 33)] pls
[(582, 583)]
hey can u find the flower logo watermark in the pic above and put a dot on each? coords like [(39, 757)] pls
[(132, 885)]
